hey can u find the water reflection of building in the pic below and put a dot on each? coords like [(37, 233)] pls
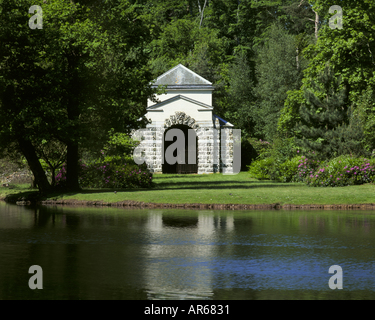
[(181, 253)]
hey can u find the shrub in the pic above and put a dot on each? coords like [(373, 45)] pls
[(262, 169), (113, 174), (276, 161), (261, 147), (292, 170), (297, 169), (288, 171), (283, 149), (306, 167), (342, 171), (119, 145)]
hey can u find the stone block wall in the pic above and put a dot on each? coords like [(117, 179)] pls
[(226, 161), (214, 149), (206, 146), (151, 147)]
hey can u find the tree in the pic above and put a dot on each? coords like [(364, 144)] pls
[(20, 85), (365, 112), (277, 72), (52, 154), (350, 50), (235, 22), (329, 128), (299, 16), (86, 65), (289, 114), (240, 109)]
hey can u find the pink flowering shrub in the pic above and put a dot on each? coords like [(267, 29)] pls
[(296, 169), (342, 171), (306, 167)]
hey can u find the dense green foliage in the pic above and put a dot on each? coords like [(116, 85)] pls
[(275, 161), (78, 86), (113, 168), (262, 169), (328, 127), (343, 171), (365, 113), (331, 115), (277, 72), (73, 80), (111, 174)]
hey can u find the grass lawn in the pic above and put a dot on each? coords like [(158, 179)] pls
[(222, 189)]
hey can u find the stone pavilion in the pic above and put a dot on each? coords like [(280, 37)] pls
[(186, 105)]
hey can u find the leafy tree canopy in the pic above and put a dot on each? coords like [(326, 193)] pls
[(350, 50), (80, 75)]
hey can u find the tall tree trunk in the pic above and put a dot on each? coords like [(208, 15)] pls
[(202, 11), (297, 59), (53, 177), (72, 156), (316, 23), (28, 151)]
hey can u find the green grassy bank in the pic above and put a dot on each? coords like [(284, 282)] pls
[(217, 189)]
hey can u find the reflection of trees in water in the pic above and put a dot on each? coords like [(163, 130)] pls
[(180, 254)]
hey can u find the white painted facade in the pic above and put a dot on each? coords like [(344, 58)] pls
[(188, 102)]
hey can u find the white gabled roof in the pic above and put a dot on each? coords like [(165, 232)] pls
[(180, 75)]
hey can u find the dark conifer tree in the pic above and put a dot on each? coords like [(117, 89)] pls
[(329, 128)]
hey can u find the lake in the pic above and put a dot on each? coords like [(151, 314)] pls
[(117, 253)]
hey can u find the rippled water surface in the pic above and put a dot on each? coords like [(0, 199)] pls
[(112, 253)]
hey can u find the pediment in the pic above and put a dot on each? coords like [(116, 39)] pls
[(194, 104), (180, 76)]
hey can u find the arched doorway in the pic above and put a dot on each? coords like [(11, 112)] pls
[(176, 167)]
